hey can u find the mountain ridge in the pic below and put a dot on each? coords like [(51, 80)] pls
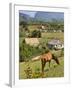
[(42, 16)]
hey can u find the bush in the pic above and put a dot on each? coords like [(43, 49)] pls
[(23, 24), (22, 34), (26, 52), (28, 72), (36, 33)]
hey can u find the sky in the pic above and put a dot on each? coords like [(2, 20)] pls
[(30, 13)]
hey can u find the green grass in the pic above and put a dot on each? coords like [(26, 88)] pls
[(32, 28), (54, 70), (53, 35)]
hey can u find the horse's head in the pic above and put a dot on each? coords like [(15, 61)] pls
[(56, 59)]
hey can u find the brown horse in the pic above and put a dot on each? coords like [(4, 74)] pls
[(47, 58)]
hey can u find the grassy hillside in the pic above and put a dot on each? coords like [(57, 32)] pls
[(35, 67)]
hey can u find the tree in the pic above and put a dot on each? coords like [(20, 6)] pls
[(24, 24), (36, 33)]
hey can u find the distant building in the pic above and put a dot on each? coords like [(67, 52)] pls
[(55, 44), (32, 41), (43, 27)]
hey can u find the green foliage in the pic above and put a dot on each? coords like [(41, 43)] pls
[(26, 51), (36, 34), (28, 72), (56, 25), (22, 34), (22, 23), (23, 29)]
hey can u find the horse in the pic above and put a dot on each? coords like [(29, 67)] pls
[(47, 57)]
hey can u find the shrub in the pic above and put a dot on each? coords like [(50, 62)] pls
[(26, 52), (28, 72), (23, 24), (36, 33)]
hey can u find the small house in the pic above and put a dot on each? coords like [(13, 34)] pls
[(32, 41), (55, 44)]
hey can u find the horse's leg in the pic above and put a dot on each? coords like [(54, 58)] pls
[(43, 65), (49, 63)]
